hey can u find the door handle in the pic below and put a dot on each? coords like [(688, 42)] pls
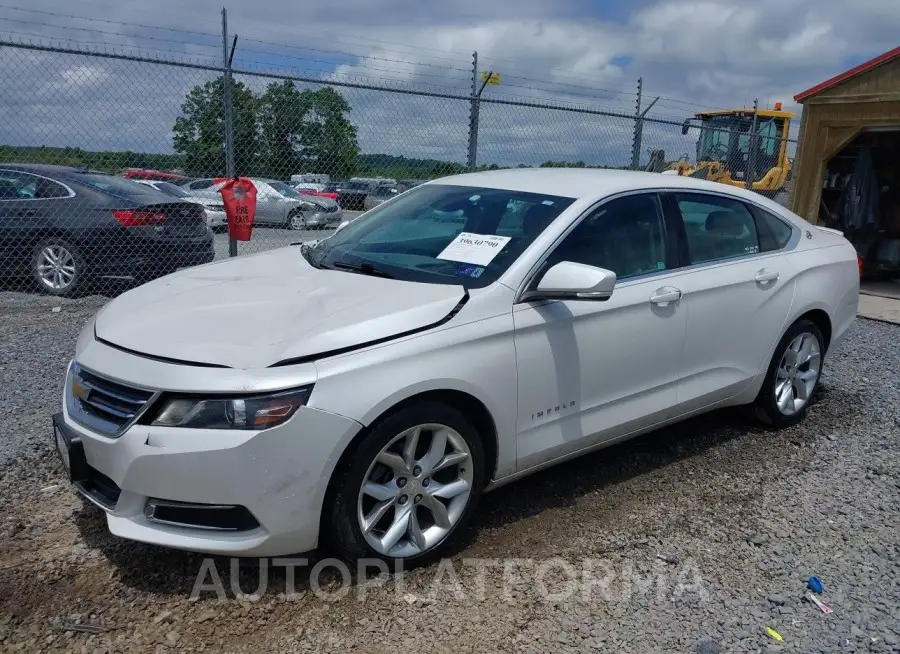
[(764, 276), (665, 295)]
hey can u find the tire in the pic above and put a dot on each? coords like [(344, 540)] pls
[(803, 378), (57, 267), (348, 506), (296, 221)]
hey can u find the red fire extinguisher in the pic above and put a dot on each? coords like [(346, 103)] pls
[(239, 197)]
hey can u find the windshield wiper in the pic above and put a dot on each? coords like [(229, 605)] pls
[(364, 268)]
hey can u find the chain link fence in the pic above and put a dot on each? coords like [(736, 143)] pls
[(109, 162)]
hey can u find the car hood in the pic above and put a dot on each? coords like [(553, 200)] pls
[(319, 201), (259, 310)]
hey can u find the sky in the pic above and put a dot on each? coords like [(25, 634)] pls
[(564, 53)]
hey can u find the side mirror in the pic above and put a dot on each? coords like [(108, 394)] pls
[(568, 280), (685, 126)]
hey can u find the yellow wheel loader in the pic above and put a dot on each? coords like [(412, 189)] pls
[(729, 149)]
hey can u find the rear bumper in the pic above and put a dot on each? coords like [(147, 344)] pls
[(137, 259)]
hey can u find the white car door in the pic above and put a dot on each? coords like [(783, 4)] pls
[(589, 371), (738, 289)]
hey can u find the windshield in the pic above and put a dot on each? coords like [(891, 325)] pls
[(285, 189), (442, 234), (727, 139), (170, 189)]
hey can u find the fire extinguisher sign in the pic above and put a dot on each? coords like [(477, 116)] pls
[(239, 198)]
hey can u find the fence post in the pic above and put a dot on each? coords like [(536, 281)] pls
[(473, 115), (636, 139), (229, 120), (751, 150)]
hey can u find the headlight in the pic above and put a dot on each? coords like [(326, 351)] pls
[(251, 412)]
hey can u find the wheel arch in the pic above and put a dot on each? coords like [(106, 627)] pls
[(820, 318), (469, 405)]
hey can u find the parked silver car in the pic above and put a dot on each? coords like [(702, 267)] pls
[(278, 203)]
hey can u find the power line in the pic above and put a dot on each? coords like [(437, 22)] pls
[(581, 77)]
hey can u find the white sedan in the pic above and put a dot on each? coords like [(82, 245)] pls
[(363, 392), (212, 206)]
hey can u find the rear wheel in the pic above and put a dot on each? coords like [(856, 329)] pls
[(792, 378), (57, 267), (410, 489)]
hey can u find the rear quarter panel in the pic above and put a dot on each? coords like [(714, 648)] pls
[(828, 280)]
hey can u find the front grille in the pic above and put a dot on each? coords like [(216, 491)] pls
[(101, 404)]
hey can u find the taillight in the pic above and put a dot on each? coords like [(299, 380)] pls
[(138, 218), (859, 262)]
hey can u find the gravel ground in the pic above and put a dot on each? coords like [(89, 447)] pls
[(692, 539)]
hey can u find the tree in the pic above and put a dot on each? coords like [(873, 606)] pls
[(282, 109), (199, 133), (307, 131)]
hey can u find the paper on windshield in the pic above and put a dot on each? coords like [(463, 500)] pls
[(478, 249)]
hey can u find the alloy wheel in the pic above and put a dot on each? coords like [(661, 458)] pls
[(298, 221), (797, 373), (56, 267), (415, 491)]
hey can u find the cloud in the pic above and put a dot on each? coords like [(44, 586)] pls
[(564, 53)]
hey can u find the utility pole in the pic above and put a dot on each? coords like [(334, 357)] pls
[(639, 125), (229, 120), (753, 146)]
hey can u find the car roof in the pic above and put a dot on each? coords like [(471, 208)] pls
[(589, 183), (47, 169)]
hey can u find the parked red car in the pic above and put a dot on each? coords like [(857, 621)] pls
[(319, 190), (157, 175)]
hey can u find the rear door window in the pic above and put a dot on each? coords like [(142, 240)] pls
[(717, 228), (19, 185)]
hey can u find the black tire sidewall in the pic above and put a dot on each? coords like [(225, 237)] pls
[(342, 527), (767, 409), (80, 272)]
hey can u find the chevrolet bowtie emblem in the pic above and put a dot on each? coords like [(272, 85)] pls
[(80, 391)]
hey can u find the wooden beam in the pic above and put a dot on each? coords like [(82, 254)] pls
[(859, 98), (837, 138)]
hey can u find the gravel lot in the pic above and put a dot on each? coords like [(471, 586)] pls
[(743, 517)]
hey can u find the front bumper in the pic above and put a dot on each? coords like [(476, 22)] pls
[(325, 219), (216, 218), (278, 476)]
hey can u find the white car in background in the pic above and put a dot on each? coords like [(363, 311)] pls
[(363, 392), (214, 208)]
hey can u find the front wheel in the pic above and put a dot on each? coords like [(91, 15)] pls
[(410, 489), (792, 378), (297, 221)]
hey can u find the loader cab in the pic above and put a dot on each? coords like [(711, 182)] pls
[(725, 136)]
